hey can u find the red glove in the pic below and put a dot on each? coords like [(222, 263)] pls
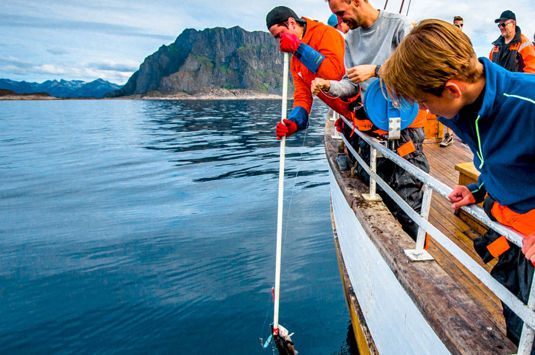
[(339, 124), (285, 129), (288, 42)]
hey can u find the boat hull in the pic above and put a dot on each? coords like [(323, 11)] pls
[(393, 320)]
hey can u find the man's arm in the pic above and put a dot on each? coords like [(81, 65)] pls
[(322, 57), (331, 45), (343, 89), (302, 103), (298, 118)]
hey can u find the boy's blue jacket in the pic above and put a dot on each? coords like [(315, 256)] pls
[(502, 138)]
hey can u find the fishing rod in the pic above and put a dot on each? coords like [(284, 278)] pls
[(280, 200), (280, 334)]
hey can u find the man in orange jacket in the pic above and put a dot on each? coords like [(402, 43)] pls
[(512, 50), (318, 51)]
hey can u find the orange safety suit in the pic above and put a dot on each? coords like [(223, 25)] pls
[(517, 55), (330, 43)]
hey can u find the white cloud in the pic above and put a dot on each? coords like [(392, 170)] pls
[(110, 39)]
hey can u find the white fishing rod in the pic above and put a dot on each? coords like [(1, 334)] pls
[(280, 200)]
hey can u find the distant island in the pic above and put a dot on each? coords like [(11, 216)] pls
[(62, 88), (215, 63), (11, 95)]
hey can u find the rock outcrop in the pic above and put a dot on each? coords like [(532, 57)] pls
[(213, 58)]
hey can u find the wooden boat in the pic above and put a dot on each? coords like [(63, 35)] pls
[(401, 306)]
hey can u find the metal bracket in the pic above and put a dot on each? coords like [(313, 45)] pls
[(394, 127), (384, 143), (418, 255), (336, 135), (370, 198)]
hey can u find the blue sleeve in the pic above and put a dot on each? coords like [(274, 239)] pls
[(300, 116), (310, 57), (478, 190)]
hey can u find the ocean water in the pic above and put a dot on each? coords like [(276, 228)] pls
[(150, 227)]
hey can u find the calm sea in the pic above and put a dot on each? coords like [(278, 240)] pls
[(150, 227)]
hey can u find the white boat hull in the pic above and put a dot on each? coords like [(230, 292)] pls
[(394, 322)]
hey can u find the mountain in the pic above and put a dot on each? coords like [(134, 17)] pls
[(63, 88), (218, 57)]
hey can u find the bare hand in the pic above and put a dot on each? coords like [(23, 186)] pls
[(461, 196), (319, 84), (528, 247), (361, 73)]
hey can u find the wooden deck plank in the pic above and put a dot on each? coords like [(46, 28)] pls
[(442, 162)]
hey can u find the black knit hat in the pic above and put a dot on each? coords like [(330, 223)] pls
[(506, 15), (280, 14)]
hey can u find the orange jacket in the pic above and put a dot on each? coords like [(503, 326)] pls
[(328, 41), (518, 55)]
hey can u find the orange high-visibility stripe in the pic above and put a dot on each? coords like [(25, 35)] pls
[(406, 149), (498, 247), (524, 223)]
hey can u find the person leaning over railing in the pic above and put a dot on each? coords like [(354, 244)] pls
[(318, 51), (373, 36), (493, 111)]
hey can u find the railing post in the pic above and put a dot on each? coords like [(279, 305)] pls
[(372, 196), (526, 338), (334, 117), (419, 253)]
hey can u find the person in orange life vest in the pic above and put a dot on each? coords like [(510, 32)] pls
[(493, 111), (318, 51), (512, 50)]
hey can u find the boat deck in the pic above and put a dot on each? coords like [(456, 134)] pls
[(442, 162), (462, 311)]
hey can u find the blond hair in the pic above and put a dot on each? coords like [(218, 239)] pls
[(432, 53)]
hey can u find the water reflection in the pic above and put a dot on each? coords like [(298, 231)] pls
[(137, 226), (233, 139)]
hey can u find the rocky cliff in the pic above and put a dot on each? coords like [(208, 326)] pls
[(213, 58)]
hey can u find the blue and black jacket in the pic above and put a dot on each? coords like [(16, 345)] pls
[(502, 138)]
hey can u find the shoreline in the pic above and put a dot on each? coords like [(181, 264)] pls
[(210, 94)]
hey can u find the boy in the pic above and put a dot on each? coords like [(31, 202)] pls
[(493, 111)]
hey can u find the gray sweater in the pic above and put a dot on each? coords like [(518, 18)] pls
[(372, 45)]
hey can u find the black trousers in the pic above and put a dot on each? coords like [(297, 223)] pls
[(512, 270), (405, 184)]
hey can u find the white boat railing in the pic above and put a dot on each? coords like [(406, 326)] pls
[(525, 312)]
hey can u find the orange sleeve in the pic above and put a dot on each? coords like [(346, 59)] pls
[(490, 54), (528, 54), (302, 94), (331, 45)]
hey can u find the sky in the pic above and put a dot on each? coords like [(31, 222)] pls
[(90, 39)]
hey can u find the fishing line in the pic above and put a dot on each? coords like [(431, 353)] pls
[(288, 210)]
